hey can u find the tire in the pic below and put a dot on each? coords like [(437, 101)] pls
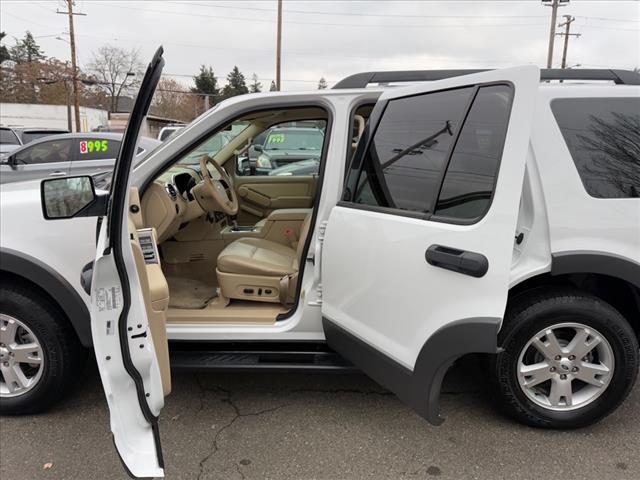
[(560, 312), (62, 355)]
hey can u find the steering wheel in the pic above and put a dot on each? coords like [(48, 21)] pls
[(216, 195)]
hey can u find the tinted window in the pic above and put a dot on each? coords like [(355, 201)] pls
[(7, 137), (402, 166), (603, 136), (32, 135), (47, 152), (468, 184), (97, 149)]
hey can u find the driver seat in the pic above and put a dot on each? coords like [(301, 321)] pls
[(261, 270)]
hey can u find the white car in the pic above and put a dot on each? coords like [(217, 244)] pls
[(480, 213)]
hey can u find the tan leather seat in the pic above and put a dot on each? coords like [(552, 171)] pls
[(261, 270)]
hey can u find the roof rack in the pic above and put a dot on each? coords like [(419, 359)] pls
[(361, 80)]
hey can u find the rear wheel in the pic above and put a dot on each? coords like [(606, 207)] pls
[(569, 359), (40, 356)]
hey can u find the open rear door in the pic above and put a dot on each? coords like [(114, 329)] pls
[(416, 256), (122, 334)]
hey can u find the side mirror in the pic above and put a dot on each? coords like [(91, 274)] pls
[(258, 148), (71, 197)]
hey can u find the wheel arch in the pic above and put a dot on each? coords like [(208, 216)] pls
[(53, 286), (613, 279)]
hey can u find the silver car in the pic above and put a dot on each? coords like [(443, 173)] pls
[(71, 153)]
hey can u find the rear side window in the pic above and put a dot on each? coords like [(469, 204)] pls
[(603, 137), (401, 168), (97, 149), (443, 147), (54, 151), (468, 184)]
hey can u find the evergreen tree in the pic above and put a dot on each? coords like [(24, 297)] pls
[(27, 50), (236, 84), (4, 52), (273, 88), (206, 82), (255, 86), (322, 84)]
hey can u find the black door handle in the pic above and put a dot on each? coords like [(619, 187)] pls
[(461, 261)]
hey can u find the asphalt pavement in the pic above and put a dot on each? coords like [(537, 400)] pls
[(293, 426)]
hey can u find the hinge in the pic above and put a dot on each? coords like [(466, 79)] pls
[(319, 294)]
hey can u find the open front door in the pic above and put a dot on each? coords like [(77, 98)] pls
[(416, 256), (123, 332)]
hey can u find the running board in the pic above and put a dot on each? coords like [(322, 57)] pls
[(303, 357)]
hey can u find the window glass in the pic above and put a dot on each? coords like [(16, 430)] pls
[(291, 149), (47, 152), (7, 137), (97, 149), (603, 136), (468, 184), (403, 163)]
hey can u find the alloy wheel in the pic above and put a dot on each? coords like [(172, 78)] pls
[(565, 366), (21, 357)]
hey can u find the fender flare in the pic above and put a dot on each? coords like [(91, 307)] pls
[(52, 283), (420, 388), (596, 262)]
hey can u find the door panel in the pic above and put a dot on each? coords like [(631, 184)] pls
[(128, 299), (260, 195), (394, 278)]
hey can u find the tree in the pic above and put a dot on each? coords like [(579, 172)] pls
[(236, 84), (27, 50), (171, 100), (4, 52), (322, 84), (273, 88), (256, 86), (206, 82), (117, 70)]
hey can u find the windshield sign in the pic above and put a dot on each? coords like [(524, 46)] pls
[(294, 140)]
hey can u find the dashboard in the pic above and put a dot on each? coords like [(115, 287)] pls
[(168, 204)]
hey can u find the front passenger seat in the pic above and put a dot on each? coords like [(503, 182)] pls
[(261, 270)]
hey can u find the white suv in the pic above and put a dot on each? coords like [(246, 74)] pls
[(481, 213)]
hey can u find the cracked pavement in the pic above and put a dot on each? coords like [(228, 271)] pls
[(298, 426)]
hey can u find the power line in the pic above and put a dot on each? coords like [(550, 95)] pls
[(245, 20), (353, 14)]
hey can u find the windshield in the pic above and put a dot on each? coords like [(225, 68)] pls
[(7, 137), (214, 144), (294, 140)]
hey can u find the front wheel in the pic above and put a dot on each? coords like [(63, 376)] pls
[(568, 360), (40, 356)]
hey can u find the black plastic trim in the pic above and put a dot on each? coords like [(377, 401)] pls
[(420, 388), (595, 262), (361, 80), (45, 277), (116, 213), (459, 261)]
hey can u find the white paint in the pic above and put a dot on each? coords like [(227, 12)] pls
[(31, 115), (377, 283)]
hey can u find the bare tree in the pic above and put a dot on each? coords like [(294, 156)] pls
[(117, 70)]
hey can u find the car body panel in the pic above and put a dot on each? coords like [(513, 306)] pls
[(75, 165)]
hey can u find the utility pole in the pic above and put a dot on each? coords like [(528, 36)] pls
[(554, 4), (74, 66), (279, 45), (567, 24)]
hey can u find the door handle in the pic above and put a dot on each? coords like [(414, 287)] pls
[(58, 174), (461, 261)]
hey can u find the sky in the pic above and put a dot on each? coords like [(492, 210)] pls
[(332, 39)]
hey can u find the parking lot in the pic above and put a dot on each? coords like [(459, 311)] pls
[(250, 426)]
